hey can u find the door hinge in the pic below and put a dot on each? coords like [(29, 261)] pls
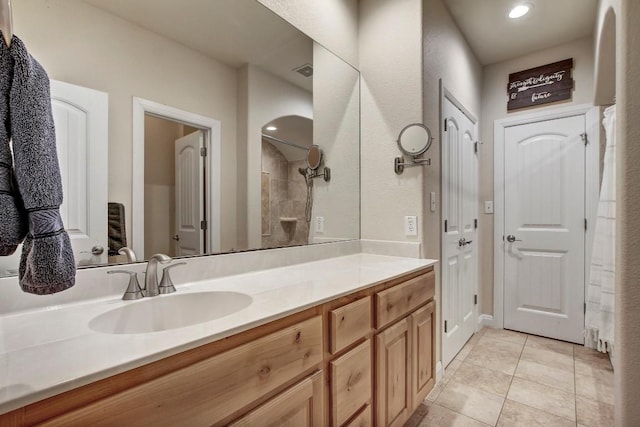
[(475, 223), (445, 326), (445, 226), (585, 224), (585, 308), (585, 138), (445, 125), (475, 147), (203, 151), (475, 299), (203, 225)]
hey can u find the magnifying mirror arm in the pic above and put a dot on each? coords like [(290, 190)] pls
[(326, 174), (399, 164)]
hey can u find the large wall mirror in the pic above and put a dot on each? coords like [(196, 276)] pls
[(184, 127)]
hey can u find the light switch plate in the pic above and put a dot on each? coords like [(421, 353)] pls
[(488, 206), (319, 224), (411, 225)]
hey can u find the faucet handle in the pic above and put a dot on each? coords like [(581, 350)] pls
[(166, 284), (133, 289)]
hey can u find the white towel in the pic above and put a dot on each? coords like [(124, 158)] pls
[(599, 318)]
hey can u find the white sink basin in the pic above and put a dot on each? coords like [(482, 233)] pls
[(166, 312)]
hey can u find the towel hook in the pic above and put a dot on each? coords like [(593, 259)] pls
[(6, 21)]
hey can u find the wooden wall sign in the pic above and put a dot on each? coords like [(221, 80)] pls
[(540, 85)]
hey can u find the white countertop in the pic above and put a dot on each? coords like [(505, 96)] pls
[(49, 351)]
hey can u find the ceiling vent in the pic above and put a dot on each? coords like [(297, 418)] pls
[(306, 70)]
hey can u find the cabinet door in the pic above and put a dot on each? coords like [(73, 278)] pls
[(392, 375), (350, 383), (299, 406), (422, 353)]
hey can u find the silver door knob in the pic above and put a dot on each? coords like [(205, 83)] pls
[(511, 238), (462, 242), (97, 250)]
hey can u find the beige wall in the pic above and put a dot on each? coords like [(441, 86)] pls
[(494, 106), (336, 129), (159, 184), (332, 23), (126, 61)]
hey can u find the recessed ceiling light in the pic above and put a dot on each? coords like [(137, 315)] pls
[(519, 11), (272, 128)]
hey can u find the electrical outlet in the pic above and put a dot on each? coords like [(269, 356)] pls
[(488, 206), (319, 224), (411, 225), (433, 201)]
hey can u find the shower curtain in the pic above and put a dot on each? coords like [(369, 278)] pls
[(600, 292)]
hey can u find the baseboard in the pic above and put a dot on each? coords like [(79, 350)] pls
[(439, 371), (485, 321)]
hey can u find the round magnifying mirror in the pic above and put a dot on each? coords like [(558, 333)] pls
[(414, 139), (314, 157)]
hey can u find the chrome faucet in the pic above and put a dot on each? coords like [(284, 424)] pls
[(151, 278), (128, 252)]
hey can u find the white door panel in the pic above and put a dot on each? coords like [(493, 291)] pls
[(459, 201), (545, 211), (81, 118), (189, 194)]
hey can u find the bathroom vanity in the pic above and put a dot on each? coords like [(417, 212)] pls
[(354, 346)]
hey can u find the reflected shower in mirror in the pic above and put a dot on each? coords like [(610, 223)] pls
[(223, 71)]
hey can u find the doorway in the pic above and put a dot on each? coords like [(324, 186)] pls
[(459, 233), (544, 193), (192, 157), (174, 190)]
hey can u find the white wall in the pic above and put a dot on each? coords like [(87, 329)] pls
[(332, 23), (336, 129), (391, 93), (267, 97), (125, 61), (494, 106)]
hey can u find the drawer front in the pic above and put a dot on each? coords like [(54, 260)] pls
[(350, 383), (364, 418), (299, 406), (393, 303), (349, 323), (208, 391)]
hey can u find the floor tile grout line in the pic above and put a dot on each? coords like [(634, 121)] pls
[(511, 382)]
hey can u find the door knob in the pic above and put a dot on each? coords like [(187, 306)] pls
[(511, 238), (97, 250), (467, 242), (176, 238), (462, 242)]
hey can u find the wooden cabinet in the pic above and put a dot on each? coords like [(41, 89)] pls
[(207, 392), (405, 350), (349, 323), (351, 383), (422, 329), (324, 366), (299, 406), (392, 375)]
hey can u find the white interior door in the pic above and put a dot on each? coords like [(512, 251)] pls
[(189, 194), (81, 117), (544, 202), (459, 210)]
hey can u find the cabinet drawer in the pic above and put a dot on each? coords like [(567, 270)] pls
[(394, 302), (350, 383), (349, 323), (364, 418), (300, 405), (206, 392)]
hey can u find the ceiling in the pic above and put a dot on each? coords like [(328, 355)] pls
[(234, 32), (293, 129), (495, 38)]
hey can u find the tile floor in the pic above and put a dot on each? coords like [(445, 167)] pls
[(505, 378)]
